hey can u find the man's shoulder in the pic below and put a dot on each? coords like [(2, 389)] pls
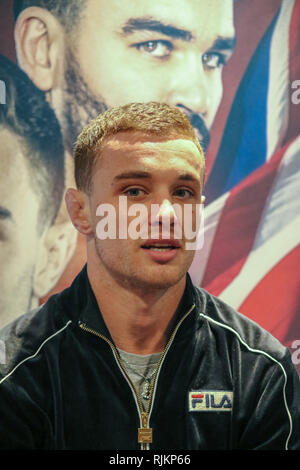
[(231, 323), (29, 334), (24, 337)]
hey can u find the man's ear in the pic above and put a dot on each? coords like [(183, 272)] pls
[(57, 247), (39, 39), (78, 209)]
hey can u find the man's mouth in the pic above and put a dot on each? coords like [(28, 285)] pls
[(160, 246), (161, 251)]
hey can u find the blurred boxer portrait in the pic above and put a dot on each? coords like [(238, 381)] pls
[(33, 250)]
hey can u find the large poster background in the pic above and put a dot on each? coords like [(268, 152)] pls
[(251, 251)]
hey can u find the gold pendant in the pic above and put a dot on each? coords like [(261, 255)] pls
[(146, 390)]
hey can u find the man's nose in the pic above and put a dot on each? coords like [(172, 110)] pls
[(166, 220), (166, 209), (189, 86), (163, 213)]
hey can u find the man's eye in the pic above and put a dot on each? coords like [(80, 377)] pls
[(134, 192), (183, 193), (213, 60), (155, 48)]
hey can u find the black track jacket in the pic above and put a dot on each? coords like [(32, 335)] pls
[(222, 381)]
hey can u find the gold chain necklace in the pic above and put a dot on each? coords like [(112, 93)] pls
[(147, 380)]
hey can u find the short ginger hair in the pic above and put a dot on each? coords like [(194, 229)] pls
[(147, 118)]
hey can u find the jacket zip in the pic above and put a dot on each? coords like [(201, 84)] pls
[(144, 416)]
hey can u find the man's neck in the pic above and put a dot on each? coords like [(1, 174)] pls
[(139, 321)]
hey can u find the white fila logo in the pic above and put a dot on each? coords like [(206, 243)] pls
[(210, 400)]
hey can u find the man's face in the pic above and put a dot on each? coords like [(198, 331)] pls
[(140, 51), (19, 239), (157, 174)]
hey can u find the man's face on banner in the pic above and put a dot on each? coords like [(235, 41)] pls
[(141, 50), (19, 237)]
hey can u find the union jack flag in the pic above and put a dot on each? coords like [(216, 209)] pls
[(251, 252)]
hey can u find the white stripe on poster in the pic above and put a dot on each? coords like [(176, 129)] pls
[(279, 232), (278, 86)]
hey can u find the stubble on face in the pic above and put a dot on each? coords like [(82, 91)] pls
[(138, 277), (146, 51), (79, 105)]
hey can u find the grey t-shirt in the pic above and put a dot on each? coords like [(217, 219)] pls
[(140, 368)]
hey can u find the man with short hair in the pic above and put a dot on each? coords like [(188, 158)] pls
[(132, 355), (33, 253)]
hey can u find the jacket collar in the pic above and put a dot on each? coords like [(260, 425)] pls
[(80, 298)]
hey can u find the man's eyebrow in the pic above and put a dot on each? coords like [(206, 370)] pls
[(224, 43), (188, 177), (5, 214), (145, 174), (131, 175), (148, 24)]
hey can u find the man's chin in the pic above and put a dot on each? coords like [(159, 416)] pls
[(160, 278)]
